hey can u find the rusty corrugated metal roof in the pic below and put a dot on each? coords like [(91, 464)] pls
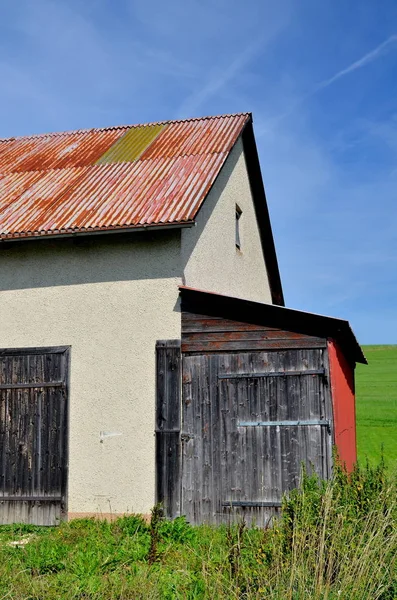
[(120, 177)]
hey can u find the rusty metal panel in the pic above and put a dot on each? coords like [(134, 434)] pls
[(159, 191), (50, 184), (26, 213), (131, 145), (13, 185), (57, 151), (201, 136), (124, 194), (15, 151), (5, 145)]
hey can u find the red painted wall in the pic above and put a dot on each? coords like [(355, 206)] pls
[(343, 400)]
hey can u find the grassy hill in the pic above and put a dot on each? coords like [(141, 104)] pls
[(376, 404)]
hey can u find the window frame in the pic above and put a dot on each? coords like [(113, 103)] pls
[(238, 213)]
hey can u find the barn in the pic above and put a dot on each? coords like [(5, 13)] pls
[(145, 350)]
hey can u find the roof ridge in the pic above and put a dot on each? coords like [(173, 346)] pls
[(115, 127)]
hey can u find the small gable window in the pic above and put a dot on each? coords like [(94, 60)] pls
[(239, 212)]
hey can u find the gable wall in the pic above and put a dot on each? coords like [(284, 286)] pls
[(110, 300), (210, 259)]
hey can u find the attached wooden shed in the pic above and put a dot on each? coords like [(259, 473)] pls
[(249, 393)]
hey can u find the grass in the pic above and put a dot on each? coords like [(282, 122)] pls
[(376, 404), (335, 540)]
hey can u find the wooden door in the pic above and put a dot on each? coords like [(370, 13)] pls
[(33, 435), (249, 422)]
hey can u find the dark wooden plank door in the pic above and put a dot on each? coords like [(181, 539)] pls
[(168, 425), (33, 435), (249, 421)]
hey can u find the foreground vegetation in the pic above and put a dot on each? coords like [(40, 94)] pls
[(376, 402), (335, 540)]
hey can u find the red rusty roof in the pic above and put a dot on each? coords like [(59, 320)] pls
[(120, 177)]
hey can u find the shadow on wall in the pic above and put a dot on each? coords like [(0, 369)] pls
[(95, 259)]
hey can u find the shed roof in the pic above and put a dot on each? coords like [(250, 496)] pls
[(113, 178), (258, 313)]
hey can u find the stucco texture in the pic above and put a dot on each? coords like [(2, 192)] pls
[(110, 300), (210, 258)]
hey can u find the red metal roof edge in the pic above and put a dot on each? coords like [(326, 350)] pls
[(113, 127)]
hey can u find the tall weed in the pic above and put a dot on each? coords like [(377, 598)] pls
[(335, 540)]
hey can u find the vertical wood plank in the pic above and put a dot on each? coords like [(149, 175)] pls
[(168, 418), (216, 484)]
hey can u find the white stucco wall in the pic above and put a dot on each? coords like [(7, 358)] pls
[(209, 255), (110, 300)]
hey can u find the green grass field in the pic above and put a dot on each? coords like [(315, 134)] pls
[(376, 404)]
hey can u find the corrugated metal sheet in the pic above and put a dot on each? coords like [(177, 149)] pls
[(25, 213), (57, 151), (100, 179), (131, 145), (196, 137), (13, 185)]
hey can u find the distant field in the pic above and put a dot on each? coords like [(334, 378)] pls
[(376, 404)]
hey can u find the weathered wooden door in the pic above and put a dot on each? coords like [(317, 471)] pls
[(33, 435), (249, 420)]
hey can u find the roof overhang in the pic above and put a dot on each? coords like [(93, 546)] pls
[(280, 317), (98, 231)]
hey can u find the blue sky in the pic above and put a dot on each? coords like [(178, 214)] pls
[(319, 77)]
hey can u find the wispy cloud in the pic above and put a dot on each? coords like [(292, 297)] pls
[(219, 81), (358, 64), (230, 52), (365, 60)]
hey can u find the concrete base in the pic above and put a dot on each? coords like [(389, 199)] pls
[(104, 516)]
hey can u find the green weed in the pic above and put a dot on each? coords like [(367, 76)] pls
[(334, 540)]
